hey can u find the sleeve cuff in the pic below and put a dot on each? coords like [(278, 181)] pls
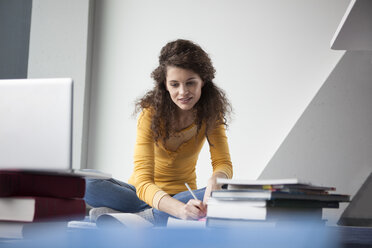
[(223, 172), (228, 173), (157, 197)]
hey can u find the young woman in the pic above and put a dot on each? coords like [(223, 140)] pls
[(182, 111)]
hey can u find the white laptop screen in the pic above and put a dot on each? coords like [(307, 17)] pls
[(36, 123)]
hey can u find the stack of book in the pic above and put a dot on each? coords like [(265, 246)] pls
[(30, 201), (269, 202)]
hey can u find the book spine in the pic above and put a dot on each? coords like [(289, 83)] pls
[(47, 208), (20, 184)]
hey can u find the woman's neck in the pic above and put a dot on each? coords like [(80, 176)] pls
[(184, 119)]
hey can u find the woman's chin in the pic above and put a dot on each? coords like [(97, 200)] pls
[(185, 108)]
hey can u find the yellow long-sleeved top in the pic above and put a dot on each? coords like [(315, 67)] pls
[(159, 171)]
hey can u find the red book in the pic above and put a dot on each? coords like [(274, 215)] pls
[(34, 209), (18, 183)]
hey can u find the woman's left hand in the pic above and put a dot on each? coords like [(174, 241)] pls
[(212, 185)]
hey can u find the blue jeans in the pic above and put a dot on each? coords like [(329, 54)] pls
[(122, 196)]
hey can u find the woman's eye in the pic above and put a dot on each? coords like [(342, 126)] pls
[(190, 83), (174, 85)]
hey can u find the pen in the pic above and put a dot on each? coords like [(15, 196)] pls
[(192, 193)]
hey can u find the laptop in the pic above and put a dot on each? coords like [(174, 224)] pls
[(36, 126)]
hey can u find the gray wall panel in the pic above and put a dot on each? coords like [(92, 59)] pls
[(331, 143), (15, 19)]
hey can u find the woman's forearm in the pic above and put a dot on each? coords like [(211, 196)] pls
[(170, 205)]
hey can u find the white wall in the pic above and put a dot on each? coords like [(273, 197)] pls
[(60, 47), (271, 58), (331, 143)]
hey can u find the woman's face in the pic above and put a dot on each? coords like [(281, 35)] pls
[(184, 87)]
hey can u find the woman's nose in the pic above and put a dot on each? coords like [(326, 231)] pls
[(183, 90)]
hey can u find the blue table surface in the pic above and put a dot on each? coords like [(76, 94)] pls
[(301, 235)]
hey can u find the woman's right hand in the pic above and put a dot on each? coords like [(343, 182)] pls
[(193, 210)]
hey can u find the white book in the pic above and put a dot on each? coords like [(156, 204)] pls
[(238, 223), (236, 209), (289, 184), (17, 209), (178, 223), (11, 230), (35, 208), (272, 195), (261, 182), (257, 210), (20, 230), (221, 202)]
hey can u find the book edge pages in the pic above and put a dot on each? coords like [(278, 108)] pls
[(17, 209), (178, 223)]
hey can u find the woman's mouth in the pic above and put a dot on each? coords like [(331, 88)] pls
[(185, 100)]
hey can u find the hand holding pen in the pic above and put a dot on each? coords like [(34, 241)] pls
[(196, 208)]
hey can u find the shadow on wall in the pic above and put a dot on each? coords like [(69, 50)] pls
[(331, 143)]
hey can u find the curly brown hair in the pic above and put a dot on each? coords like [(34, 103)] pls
[(213, 107)]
